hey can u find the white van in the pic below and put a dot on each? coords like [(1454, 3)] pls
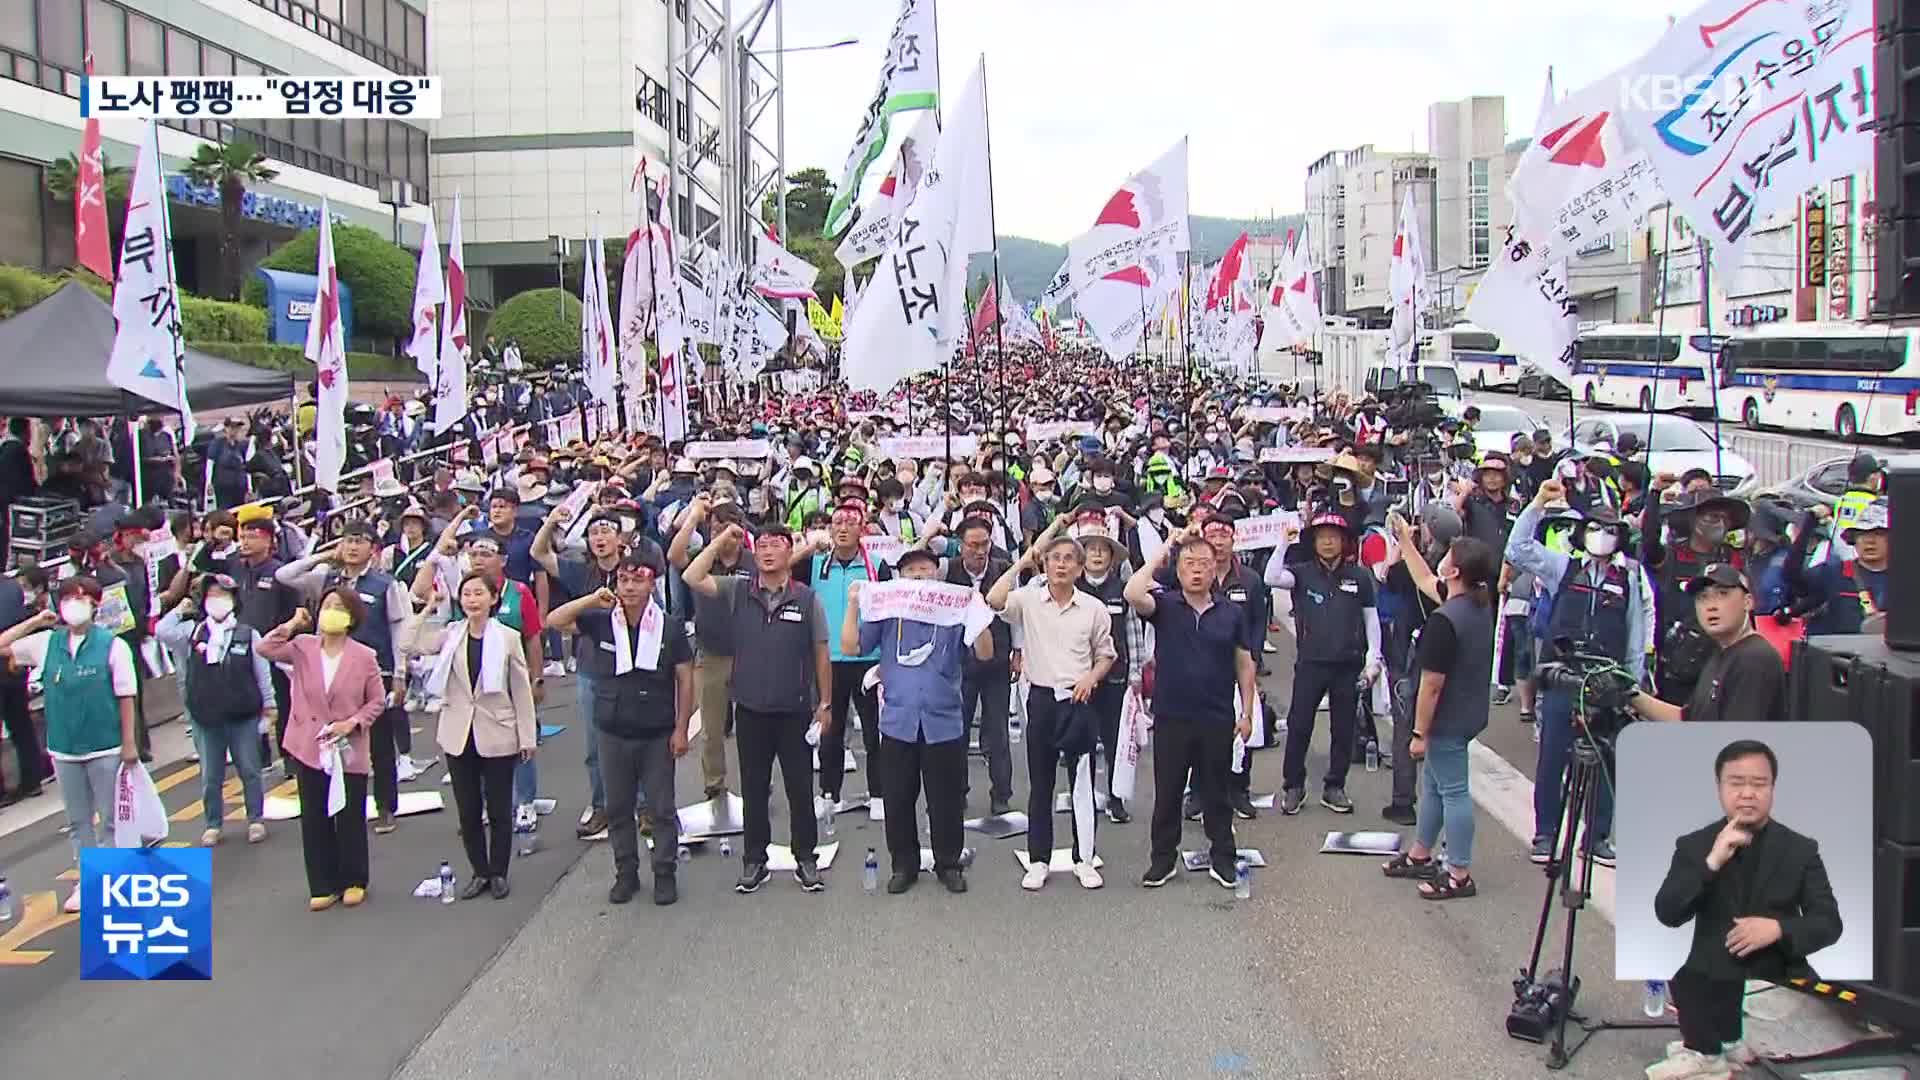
[(1444, 378)]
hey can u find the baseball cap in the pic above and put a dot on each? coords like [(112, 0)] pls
[(1723, 574)]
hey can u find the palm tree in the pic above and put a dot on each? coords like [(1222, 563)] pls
[(228, 168), (63, 178)]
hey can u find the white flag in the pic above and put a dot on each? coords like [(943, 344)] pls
[(450, 391), (909, 79), (429, 292), (1059, 290), (1294, 304), (1239, 340), (1581, 178), (148, 358), (598, 343), (779, 274), (1407, 283), (913, 313), (1777, 98), (756, 332), (327, 349), (1017, 325), (868, 237), (1127, 264), (658, 273)]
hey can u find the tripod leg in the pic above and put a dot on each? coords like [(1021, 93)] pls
[(1580, 811)]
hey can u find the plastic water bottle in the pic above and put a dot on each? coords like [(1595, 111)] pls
[(870, 876), (683, 855), (6, 901), (1014, 727), (1654, 1001), (826, 818), (446, 883), (1373, 755), (726, 848), (1242, 880)]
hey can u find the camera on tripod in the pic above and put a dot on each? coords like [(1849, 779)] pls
[(1602, 689), (1412, 407)]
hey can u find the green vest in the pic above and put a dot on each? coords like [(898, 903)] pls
[(83, 716), (509, 610)]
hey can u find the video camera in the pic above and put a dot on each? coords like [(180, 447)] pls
[(1412, 407), (1601, 687)]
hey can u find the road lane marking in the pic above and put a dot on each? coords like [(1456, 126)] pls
[(40, 914), (194, 809), (1506, 794)]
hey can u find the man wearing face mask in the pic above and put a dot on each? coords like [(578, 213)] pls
[(893, 517), (1041, 505), (1602, 602), (1682, 647), (987, 681)]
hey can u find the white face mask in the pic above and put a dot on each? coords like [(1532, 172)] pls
[(219, 607), (76, 611), (1601, 543), (1157, 516), (1103, 484)]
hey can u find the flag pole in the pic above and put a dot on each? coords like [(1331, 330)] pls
[(653, 313), (993, 229), (1706, 328), (1180, 317)]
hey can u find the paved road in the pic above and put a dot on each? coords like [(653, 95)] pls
[(1330, 971)]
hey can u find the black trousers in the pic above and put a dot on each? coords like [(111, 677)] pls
[(386, 772), (141, 740), (1044, 716), (477, 782), (942, 769), (991, 692), (282, 695), (847, 677), (1709, 1010), (1108, 699), (1312, 681), (1181, 745), (629, 766), (761, 738), (18, 719), (335, 848)]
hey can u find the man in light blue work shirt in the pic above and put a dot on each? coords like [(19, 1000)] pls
[(922, 734)]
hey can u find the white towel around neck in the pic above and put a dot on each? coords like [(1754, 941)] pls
[(651, 628), (493, 658)]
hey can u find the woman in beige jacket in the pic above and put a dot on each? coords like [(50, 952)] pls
[(487, 725)]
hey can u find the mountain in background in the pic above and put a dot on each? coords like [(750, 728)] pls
[(1028, 265)]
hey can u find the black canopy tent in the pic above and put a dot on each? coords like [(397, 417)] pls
[(53, 362)]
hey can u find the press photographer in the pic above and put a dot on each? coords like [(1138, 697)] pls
[(1743, 679), (1700, 523)]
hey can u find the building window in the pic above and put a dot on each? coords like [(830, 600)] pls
[(384, 31), (146, 46), (107, 36), (16, 28), (23, 211), (1479, 225), (60, 33)]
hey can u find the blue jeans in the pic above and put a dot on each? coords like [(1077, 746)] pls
[(1550, 773), (215, 740), (1444, 801), (86, 787)]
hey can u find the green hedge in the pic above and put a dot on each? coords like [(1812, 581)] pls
[(291, 358), (379, 272), (547, 328), (200, 319)]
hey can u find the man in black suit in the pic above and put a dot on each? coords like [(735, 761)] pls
[(1760, 902)]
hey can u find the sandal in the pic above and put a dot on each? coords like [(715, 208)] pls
[(1416, 869), (1448, 887)]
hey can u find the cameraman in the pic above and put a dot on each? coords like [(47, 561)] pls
[(1602, 602), (1700, 523), (1744, 679)]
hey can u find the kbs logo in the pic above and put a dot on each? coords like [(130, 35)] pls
[(146, 913)]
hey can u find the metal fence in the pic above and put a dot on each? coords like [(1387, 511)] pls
[(1775, 459)]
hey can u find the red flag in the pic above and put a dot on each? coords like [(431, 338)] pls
[(1220, 291), (987, 313), (90, 237)]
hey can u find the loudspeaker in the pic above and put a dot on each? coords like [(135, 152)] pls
[(1896, 917), (1897, 158), (1858, 678), (1903, 575)]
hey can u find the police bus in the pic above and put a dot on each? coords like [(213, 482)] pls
[(1823, 378), (1635, 366), (1482, 361)]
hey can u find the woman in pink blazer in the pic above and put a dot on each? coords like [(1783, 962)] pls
[(336, 694)]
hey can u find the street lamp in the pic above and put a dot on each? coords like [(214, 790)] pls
[(561, 247), (398, 194)]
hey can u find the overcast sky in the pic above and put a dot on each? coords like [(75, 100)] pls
[(1083, 92)]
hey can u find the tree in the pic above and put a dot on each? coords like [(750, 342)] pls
[(809, 193), (548, 329), (63, 178), (378, 271), (229, 168), (818, 250)]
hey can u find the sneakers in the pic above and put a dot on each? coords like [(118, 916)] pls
[(1399, 814), (1502, 695), (593, 825), (808, 875), (210, 837), (624, 887), (1690, 1065), (1602, 852), (1541, 851), (256, 832), (953, 879), (1335, 799), (385, 825), (1117, 811), (1269, 648), (1035, 879), (1089, 877), (72, 906), (525, 818), (1222, 878), (1290, 801), (754, 876), (1736, 1052), (900, 882), (665, 890), (554, 669), (1000, 807), (573, 665), (1158, 874), (405, 768), (1243, 806)]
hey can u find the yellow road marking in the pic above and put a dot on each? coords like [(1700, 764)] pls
[(194, 809), (189, 773), (39, 914), (71, 873)]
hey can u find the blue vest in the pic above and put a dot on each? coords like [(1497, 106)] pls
[(830, 580), (1593, 617), (374, 631)]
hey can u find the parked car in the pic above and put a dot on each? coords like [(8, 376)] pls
[(1498, 425), (1820, 485), (1676, 445), (1545, 387)]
